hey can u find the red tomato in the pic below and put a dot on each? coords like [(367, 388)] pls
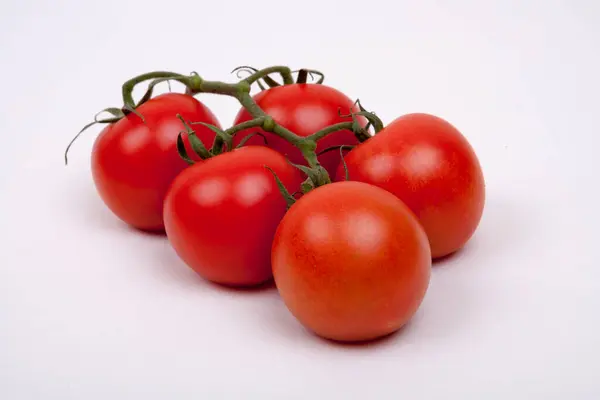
[(133, 163), (221, 214), (303, 109), (428, 164), (351, 261)]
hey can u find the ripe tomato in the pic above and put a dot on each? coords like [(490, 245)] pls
[(351, 261), (427, 163), (133, 163), (221, 214), (303, 109)]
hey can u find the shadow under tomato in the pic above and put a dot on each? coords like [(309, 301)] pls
[(280, 321), (503, 226), (169, 266), (382, 341), (146, 232), (449, 259), (263, 287), (88, 207)]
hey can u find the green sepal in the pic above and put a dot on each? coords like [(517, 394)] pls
[(195, 141), (289, 199), (245, 139), (150, 90), (346, 172), (340, 148), (182, 150), (116, 113), (307, 186), (227, 139), (310, 173)]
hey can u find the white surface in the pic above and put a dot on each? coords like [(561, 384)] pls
[(92, 310)]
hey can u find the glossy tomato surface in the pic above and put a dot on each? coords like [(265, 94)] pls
[(429, 164), (221, 214), (133, 163), (351, 261), (303, 109)]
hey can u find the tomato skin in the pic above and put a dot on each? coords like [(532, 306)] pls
[(351, 262), (303, 109), (429, 165), (133, 163), (221, 214)]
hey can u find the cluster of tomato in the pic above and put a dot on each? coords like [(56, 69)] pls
[(351, 258)]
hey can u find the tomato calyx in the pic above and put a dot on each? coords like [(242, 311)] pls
[(289, 198), (192, 82), (362, 133), (301, 78), (223, 138), (341, 150)]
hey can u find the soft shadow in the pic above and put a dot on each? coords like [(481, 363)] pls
[(145, 232), (383, 341), (87, 206), (277, 319), (503, 226), (254, 289), (169, 266), (450, 259), (452, 303)]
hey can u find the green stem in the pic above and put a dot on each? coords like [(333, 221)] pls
[(229, 89), (128, 86), (308, 148), (285, 72), (241, 92), (253, 123), (287, 135), (302, 76), (310, 73), (341, 126), (250, 105)]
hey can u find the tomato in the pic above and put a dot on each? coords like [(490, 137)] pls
[(133, 163), (221, 214), (351, 261), (303, 109), (429, 164)]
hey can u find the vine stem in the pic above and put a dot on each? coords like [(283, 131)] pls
[(129, 103), (256, 122), (330, 129), (285, 72), (241, 91)]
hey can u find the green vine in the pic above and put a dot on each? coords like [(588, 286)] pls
[(194, 83)]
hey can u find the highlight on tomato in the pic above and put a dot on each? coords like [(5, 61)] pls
[(134, 161), (303, 108), (221, 214), (351, 261), (427, 163)]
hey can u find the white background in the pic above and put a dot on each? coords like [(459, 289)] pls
[(90, 309)]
